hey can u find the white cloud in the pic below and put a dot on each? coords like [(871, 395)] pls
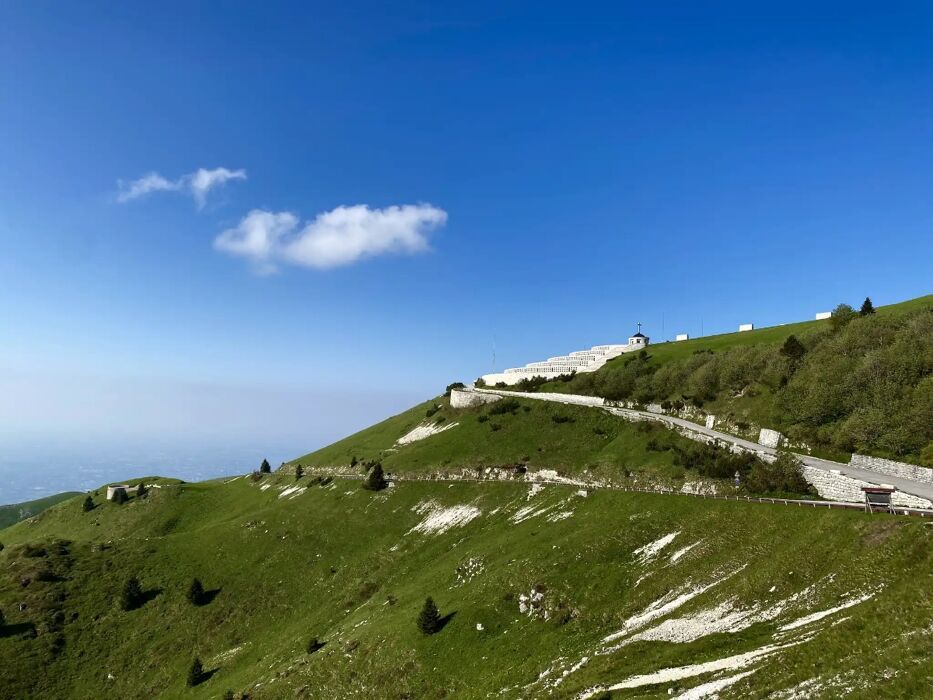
[(151, 182), (203, 181), (334, 238), (197, 184)]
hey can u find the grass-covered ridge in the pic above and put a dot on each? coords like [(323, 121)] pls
[(861, 385), (14, 512), (548, 575)]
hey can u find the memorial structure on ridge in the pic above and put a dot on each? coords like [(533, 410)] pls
[(578, 361)]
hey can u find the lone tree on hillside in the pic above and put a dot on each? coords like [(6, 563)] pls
[(842, 314), (375, 480), (195, 673), (299, 471), (196, 592), (793, 349), (131, 597), (2, 620), (120, 497), (429, 620), (88, 504), (264, 468), (867, 308), (141, 490)]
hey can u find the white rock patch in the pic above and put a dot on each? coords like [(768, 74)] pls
[(294, 490), (669, 675), (680, 552), (712, 688), (817, 616), (439, 519), (523, 514), (425, 430), (652, 549), (560, 515)]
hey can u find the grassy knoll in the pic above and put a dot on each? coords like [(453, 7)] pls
[(15, 512), (353, 568)]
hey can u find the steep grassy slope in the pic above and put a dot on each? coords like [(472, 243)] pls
[(353, 567), (15, 512), (565, 438), (865, 385)]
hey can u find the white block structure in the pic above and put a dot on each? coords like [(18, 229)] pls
[(682, 336), (746, 327), (578, 361), (823, 315)]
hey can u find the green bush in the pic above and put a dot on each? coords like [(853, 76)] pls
[(375, 479), (783, 476)]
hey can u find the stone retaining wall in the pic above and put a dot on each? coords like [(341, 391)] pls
[(892, 468), (469, 399), (836, 486)]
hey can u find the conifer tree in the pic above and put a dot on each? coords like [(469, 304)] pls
[(429, 620), (867, 308), (141, 490), (88, 505), (120, 497), (265, 468), (196, 592), (299, 471), (132, 595), (375, 480), (793, 349), (195, 673), (2, 619)]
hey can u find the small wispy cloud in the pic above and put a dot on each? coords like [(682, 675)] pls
[(198, 184), (334, 238)]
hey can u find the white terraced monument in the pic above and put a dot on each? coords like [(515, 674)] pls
[(578, 361)]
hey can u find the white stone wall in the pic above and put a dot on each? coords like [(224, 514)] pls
[(468, 399), (682, 336), (836, 486), (770, 438), (823, 315), (892, 468), (569, 399), (710, 421)]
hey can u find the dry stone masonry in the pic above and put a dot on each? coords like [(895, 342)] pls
[(892, 468)]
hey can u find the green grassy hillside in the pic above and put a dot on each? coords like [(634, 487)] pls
[(865, 385), (15, 512), (569, 439), (532, 582)]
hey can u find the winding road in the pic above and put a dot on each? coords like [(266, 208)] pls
[(910, 486)]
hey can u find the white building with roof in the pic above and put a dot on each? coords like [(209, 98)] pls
[(577, 361)]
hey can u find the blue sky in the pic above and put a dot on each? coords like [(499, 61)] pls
[(569, 170)]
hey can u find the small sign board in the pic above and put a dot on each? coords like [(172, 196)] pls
[(877, 498)]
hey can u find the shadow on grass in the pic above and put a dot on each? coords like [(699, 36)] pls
[(442, 623), (207, 597), (316, 646), (149, 595), (24, 629)]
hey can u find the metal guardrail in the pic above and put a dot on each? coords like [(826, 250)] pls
[(800, 503)]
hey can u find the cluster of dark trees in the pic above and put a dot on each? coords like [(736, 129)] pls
[(784, 476)]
